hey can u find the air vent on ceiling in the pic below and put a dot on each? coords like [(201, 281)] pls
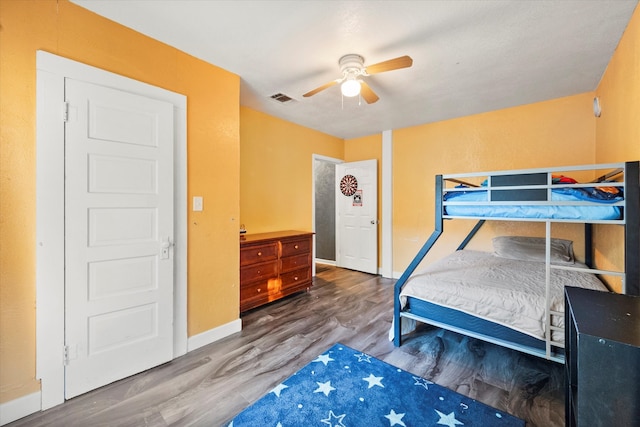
[(281, 97)]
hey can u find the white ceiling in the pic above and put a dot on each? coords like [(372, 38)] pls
[(468, 56)]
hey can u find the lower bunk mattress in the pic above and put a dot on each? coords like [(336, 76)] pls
[(481, 285)]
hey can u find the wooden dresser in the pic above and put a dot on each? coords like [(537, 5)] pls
[(273, 265)]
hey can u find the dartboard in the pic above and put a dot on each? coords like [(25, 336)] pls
[(348, 185)]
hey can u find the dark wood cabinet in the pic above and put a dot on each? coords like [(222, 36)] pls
[(602, 364), (273, 265)]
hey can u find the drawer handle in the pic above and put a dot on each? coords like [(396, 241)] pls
[(295, 278), (259, 253), (295, 246), (258, 271), (259, 289)]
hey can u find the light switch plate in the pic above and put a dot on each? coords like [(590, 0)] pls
[(197, 203)]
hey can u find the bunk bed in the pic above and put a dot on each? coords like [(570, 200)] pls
[(514, 296)]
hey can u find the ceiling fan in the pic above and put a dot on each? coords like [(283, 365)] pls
[(353, 69)]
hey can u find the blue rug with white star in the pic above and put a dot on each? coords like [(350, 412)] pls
[(347, 388)]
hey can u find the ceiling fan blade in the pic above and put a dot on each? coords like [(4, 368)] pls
[(367, 93), (391, 64), (321, 88)]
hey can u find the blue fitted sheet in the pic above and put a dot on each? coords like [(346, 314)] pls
[(601, 209)]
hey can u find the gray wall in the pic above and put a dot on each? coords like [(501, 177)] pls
[(325, 178)]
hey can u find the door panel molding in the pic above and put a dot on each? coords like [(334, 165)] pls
[(51, 73), (128, 332)]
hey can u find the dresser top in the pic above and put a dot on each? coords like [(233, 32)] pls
[(256, 237)]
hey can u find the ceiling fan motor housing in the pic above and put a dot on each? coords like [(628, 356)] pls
[(351, 64)]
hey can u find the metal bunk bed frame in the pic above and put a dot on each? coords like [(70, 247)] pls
[(630, 220)]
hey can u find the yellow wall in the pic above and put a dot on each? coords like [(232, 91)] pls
[(276, 166), (618, 132), (367, 148), (618, 129), (364, 148), (213, 163), (559, 132)]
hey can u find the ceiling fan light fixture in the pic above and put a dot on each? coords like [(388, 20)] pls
[(350, 87), (353, 69)]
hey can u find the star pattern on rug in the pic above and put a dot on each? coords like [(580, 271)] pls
[(373, 380), (334, 420), (448, 420), (277, 389), (363, 357), (324, 358), (422, 382), (395, 419), (324, 388), (307, 397)]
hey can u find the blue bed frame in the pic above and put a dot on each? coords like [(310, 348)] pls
[(472, 326)]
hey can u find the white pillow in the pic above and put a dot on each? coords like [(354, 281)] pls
[(533, 249)]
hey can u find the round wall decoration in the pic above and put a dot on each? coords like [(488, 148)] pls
[(348, 185)]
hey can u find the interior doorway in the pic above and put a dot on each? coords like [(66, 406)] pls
[(324, 218)]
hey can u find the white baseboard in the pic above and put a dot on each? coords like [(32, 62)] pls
[(396, 275), (213, 335), (31, 403), (19, 408)]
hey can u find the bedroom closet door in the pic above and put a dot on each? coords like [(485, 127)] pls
[(118, 235), (357, 216)]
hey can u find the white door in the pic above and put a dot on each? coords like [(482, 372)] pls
[(118, 234), (357, 216)]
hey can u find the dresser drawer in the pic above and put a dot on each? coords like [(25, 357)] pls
[(257, 272), (258, 253), (253, 296), (296, 278), (294, 262), (260, 289), (259, 293), (295, 247)]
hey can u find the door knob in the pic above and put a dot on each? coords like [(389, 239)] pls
[(164, 248)]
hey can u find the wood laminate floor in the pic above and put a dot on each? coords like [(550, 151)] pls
[(210, 385)]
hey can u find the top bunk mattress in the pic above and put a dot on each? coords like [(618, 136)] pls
[(536, 194), (509, 292), (600, 210)]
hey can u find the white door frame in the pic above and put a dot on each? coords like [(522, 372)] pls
[(387, 205), (51, 73)]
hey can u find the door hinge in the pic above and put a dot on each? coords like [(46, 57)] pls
[(70, 352), (65, 112)]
